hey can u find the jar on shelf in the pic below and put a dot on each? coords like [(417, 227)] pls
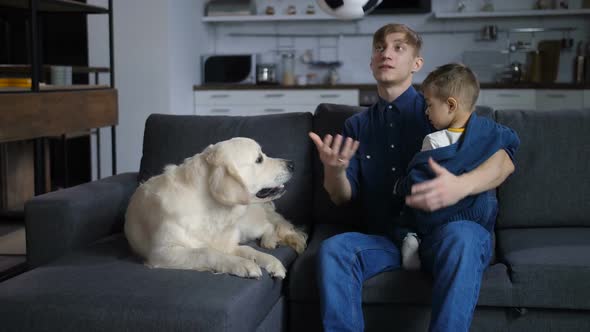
[(288, 64)]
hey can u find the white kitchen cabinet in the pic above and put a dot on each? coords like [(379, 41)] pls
[(586, 98), (559, 99), (500, 99), (258, 102)]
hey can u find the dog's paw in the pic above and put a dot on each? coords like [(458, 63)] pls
[(268, 242), (246, 269), (276, 269), (410, 255), (296, 240)]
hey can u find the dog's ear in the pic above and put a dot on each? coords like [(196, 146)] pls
[(217, 157), (226, 189)]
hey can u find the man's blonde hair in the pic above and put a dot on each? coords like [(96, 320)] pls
[(454, 80), (412, 38)]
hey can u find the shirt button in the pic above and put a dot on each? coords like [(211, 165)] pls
[(389, 107), (392, 146), (368, 157), (391, 124), (393, 169)]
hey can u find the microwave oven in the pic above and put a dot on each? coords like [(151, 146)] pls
[(228, 69)]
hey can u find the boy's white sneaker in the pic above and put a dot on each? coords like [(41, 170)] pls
[(410, 255)]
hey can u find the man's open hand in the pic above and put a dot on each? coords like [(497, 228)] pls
[(444, 190), (333, 154)]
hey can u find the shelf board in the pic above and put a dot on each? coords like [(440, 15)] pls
[(48, 87), (56, 6), (32, 115), (266, 18), (26, 69), (517, 13)]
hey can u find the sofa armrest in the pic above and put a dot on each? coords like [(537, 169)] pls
[(60, 221)]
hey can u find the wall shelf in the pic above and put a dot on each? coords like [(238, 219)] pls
[(266, 18), (516, 13)]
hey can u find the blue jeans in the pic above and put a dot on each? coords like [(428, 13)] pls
[(456, 254)]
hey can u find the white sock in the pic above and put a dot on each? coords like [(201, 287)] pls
[(410, 256)]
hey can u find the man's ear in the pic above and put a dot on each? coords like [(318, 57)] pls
[(453, 104), (418, 63), (226, 189)]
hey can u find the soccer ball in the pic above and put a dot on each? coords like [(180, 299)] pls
[(348, 9)]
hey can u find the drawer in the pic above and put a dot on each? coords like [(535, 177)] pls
[(559, 99), (275, 97), (246, 110), (508, 99)]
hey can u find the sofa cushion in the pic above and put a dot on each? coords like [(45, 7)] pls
[(550, 186), (106, 288), (400, 286), (329, 119), (549, 267), (172, 138)]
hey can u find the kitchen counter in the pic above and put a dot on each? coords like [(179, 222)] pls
[(372, 87)]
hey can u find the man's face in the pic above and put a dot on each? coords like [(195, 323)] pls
[(393, 61), (438, 110)]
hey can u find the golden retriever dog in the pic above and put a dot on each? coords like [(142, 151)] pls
[(197, 215)]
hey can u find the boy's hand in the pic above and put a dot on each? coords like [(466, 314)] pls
[(333, 155), (444, 190)]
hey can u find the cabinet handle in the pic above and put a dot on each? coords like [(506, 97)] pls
[(334, 95), (508, 95), (274, 110), (219, 110), (274, 95), (555, 95), (219, 96)]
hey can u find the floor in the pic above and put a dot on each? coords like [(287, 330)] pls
[(12, 248)]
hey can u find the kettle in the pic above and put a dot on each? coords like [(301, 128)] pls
[(266, 73)]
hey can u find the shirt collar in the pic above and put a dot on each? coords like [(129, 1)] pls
[(400, 102)]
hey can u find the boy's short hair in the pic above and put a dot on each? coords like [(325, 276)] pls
[(454, 80), (412, 37)]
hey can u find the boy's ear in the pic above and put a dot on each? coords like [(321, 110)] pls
[(453, 104)]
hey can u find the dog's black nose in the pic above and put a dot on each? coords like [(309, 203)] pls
[(290, 166)]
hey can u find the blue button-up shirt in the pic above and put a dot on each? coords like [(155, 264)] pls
[(390, 134)]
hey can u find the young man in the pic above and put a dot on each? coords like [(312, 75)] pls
[(463, 141), (379, 144)]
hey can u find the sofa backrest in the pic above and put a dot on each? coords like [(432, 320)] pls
[(169, 139), (551, 185), (329, 119)]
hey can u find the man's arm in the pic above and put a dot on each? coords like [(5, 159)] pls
[(447, 189), (335, 159)]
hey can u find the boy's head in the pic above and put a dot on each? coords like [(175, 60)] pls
[(450, 91), (396, 54)]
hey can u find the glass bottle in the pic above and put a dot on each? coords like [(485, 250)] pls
[(288, 69)]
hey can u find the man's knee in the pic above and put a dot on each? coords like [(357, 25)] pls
[(336, 245), (465, 236)]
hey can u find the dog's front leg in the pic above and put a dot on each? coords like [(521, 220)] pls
[(270, 263)]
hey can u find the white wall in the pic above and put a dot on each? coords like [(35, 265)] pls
[(158, 44), (155, 68)]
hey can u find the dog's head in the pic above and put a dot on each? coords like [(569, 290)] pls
[(242, 174)]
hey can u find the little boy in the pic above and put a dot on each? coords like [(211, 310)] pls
[(462, 142)]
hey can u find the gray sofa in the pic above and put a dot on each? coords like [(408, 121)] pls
[(83, 276)]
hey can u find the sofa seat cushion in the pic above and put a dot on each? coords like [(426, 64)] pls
[(107, 288), (549, 267), (400, 286)]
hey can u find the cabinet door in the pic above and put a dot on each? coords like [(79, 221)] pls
[(559, 99), (509, 99), (256, 102)]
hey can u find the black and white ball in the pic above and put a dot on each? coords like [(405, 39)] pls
[(348, 8)]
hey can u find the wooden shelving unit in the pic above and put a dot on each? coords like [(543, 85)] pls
[(48, 110)]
